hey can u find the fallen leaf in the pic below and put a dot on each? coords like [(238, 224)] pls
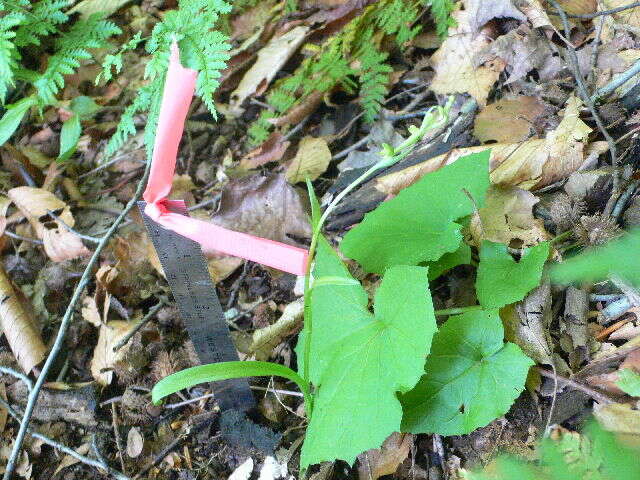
[(629, 17), (508, 120), (534, 11), (59, 243), (264, 340), (18, 326), (90, 312), (271, 150), (298, 112), (481, 11), (618, 418), (270, 60), (578, 7), (311, 160), (4, 206), (104, 358), (385, 460), (523, 50), (529, 165), (507, 215), (135, 443), (527, 324), (455, 71), (265, 206)]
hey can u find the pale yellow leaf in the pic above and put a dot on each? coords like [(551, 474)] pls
[(454, 66), (18, 325), (311, 160), (269, 62), (104, 358), (87, 8)]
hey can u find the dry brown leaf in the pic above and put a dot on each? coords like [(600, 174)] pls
[(481, 11), (454, 64), (18, 325), (385, 460), (264, 340), (90, 312), (104, 358), (522, 49), (269, 62), (507, 215), (527, 324), (579, 7), (298, 112), (534, 11), (311, 160), (629, 17), (265, 206), (59, 243), (508, 120), (271, 150), (532, 164)]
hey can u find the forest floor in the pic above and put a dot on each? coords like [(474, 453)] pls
[(564, 158)]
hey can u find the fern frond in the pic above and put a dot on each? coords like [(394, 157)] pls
[(71, 49), (201, 47), (441, 14), (374, 77), (41, 20), (8, 52), (396, 17)]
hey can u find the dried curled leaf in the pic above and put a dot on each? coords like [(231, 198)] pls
[(35, 204), (18, 326)]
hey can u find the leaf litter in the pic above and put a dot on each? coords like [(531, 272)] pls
[(537, 206)]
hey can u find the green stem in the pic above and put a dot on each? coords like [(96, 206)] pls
[(561, 237), (458, 310)]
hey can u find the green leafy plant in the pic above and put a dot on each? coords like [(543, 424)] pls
[(23, 26), (363, 373), (353, 60), (594, 455), (202, 48)]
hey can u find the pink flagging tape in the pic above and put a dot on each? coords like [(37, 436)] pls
[(176, 98)]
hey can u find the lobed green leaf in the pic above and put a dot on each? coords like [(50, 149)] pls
[(419, 224), (472, 377)]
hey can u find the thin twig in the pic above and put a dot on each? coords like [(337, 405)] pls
[(617, 82), (69, 228), (587, 16), (64, 326), (9, 233), (63, 448), (190, 401), (20, 376), (109, 163), (116, 433), (575, 66), (597, 396), (150, 314), (594, 54)]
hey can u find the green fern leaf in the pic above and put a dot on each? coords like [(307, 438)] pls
[(71, 49), (41, 20), (373, 79), (8, 53), (441, 13)]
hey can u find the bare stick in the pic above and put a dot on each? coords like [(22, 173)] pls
[(64, 326), (597, 396), (573, 57), (150, 314)]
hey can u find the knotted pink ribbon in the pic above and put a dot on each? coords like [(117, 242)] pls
[(178, 91)]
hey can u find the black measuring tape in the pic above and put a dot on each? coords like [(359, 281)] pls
[(186, 271)]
